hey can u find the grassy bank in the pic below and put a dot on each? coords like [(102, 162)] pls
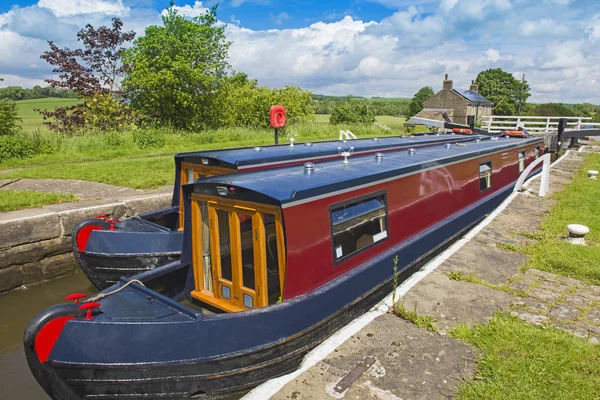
[(17, 200), (32, 119), (577, 204)]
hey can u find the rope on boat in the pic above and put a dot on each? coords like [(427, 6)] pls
[(103, 295)]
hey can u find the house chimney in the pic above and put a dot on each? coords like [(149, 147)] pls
[(474, 87), (447, 83)]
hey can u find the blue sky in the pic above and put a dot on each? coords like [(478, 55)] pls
[(386, 48)]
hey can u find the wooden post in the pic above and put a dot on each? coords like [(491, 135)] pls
[(562, 124), (276, 136)]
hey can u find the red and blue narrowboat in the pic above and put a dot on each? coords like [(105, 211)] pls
[(107, 249), (274, 261)]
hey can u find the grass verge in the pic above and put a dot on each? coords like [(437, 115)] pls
[(11, 200), (524, 361), (578, 203)]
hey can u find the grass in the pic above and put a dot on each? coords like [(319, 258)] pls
[(422, 321), (19, 199), (524, 361), (394, 123), (578, 203), (32, 119)]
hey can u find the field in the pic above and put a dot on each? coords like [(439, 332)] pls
[(32, 119), (395, 123)]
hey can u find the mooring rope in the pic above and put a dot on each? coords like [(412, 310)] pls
[(103, 295)]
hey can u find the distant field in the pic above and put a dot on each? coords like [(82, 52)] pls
[(395, 123), (32, 119)]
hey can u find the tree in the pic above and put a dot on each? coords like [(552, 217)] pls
[(178, 70), (416, 104), (502, 89), (93, 71), (9, 117), (352, 112)]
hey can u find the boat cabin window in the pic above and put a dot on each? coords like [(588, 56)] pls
[(238, 253), (357, 225), (485, 176), (521, 161), (536, 152)]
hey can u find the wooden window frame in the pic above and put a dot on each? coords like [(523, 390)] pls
[(337, 261), (260, 293)]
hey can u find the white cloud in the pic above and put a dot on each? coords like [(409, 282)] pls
[(543, 27), (62, 8), (280, 18), (190, 11)]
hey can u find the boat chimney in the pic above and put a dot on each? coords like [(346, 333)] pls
[(474, 87), (447, 83)]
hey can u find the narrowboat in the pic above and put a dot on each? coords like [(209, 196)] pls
[(107, 249), (273, 262)]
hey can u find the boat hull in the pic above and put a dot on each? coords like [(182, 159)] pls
[(301, 324)]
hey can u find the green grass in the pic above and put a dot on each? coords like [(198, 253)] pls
[(524, 361), (18, 199), (578, 203), (422, 321), (32, 119)]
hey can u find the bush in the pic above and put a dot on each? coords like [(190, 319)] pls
[(146, 138), (17, 146), (9, 118), (352, 112)]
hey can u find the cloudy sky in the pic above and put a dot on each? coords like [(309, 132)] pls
[(387, 48)]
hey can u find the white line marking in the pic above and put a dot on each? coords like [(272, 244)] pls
[(273, 386)]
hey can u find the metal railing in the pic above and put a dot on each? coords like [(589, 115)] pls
[(499, 123)]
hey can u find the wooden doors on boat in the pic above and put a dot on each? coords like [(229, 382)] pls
[(238, 253), (189, 173)]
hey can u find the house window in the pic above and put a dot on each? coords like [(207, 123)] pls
[(358, 224), (485, 176), (536, 152), (521, 161)]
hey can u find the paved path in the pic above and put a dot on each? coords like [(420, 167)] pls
[(413, 363), (81, 189)]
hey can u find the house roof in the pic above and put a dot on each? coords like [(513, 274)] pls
[(430, 113), (472, 96)]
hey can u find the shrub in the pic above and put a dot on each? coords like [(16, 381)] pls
[(146, 138), (352, 112), (17, 146), (113, 139), (9, 118)]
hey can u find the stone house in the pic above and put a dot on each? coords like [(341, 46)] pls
[(462, 103)]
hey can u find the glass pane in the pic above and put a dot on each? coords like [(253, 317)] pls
[(356, 209), (248, 301), (226, 292), (247, 251), (272, 258), (189, 173), (205, 246), (224, 244)]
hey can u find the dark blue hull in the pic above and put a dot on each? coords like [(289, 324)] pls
[(176, 353)]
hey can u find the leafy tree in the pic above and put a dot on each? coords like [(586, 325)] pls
[(95, 70), (416, 104), (9, 117), (352, 112), (503, 90), (178, 70)]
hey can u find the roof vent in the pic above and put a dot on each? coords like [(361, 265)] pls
[(375, 138), (308, 144), (411, 151), (258, 149), (309, 167), (379, 156), (494, 138), (448, 146), (477, 140)]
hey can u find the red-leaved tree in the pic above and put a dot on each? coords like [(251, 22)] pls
[(94, 73)]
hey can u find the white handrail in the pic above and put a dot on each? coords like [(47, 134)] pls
[(349, 135), (545, 183)]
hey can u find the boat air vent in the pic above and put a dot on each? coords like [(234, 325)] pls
[(308, 167), (379, 156), (494, 138), (204, 161), (448, 146), (411, 151), (477, 140), (258, 149), (308, 144), (375, 138), (291, 142)]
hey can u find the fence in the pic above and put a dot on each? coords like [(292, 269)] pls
[(499, 123)]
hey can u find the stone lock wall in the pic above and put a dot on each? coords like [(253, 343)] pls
[(35, 244)]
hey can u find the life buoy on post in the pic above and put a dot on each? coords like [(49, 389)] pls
[(277, 118)]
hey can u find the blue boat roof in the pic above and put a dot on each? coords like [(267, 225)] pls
[(251, 156), (293, 183), (472, 95)]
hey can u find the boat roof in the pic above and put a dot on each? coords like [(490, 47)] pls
[(239, 158), (293, 184)]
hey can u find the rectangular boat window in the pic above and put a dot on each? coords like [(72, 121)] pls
[(521, 161), (485, 176), (357, 225)]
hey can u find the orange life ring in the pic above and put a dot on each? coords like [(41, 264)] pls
[(462, 130), (515, 133)]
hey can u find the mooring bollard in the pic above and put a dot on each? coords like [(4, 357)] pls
[(593, 174), (577, 233)]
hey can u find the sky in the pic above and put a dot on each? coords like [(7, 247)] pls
[(384, 48)]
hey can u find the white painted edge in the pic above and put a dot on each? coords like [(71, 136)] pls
[(273, 386), (581, 149)]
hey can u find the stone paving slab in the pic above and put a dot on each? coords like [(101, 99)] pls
[(411, 363)]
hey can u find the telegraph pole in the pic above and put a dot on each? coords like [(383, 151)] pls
[(521, 95)]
